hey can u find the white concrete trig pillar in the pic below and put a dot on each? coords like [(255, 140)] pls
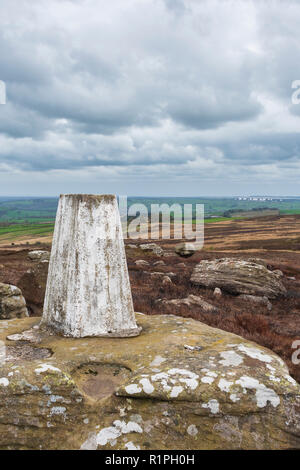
[(88, 290)]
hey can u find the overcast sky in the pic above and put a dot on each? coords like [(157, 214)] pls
[(149, 97)]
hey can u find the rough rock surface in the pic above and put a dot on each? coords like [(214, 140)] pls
[(166, 281), (217, 292), (33, 285), (190, 301), (141, 262), (152, 247), (179, 385), (159, 263), (257, 300), (12, 302), (157, 274), (39, 255), (238, 277)]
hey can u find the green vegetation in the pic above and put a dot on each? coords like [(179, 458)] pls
[(24, 210), (25, 218), (19, 231)]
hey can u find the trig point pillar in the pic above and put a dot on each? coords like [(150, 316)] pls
[(88, 291)]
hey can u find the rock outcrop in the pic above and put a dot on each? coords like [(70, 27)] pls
[(12, 302), (238, 277), (141, 262), (39, 255), (254, 299), (179, 385), (33, 285), (190, 301), (152, 248)]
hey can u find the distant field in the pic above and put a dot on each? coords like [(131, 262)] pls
[(43, 210), (31, 220), (19, 233)]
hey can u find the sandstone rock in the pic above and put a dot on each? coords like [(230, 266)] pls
[(158, 274), (185, 249), (12, 302), (258, 261), (238, 277), (166, 281), (190, 301), (222, 392), (257, 300), (159, 263), (168, 254), (152, 247), (278, 273), (39, 255), (141, 262), (217, 292), (180, 265), (33, 285)]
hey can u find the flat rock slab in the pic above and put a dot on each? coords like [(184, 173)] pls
[(179, 385), (238, 277)]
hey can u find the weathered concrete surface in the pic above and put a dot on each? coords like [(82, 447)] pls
[(12, 302), (179, 385), (238, 277), (88, 290)]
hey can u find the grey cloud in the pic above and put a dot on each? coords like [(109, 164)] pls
[(168, 88)]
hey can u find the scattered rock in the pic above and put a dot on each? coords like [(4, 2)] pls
[(257, 300), (168, 254), (141, 262), (292, 278), (33, 285), (152, 247), (39, 255), (193, 348), (159, 263), (180, 265), (238, 277), (217, 292), (133, 247), (190, 301), (278, 273), (166, 281), (12, 302), (185, 249), (232, 394), (258, 261), (158, 274)]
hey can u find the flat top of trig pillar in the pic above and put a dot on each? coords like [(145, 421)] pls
[(90, 197)]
